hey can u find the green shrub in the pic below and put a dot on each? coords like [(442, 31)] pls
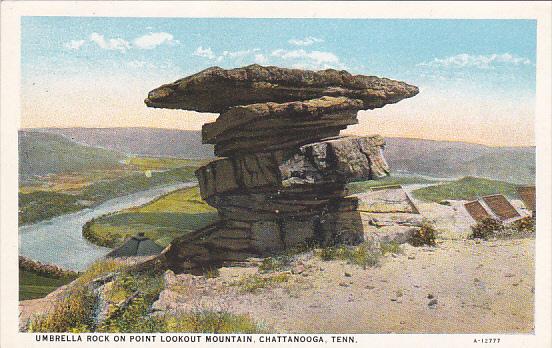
[(256, 281), (211, 272), (391, 247), (524, 226), (275, 264), (130, 297), (425, 235), (210, 322), (364, 254), (487, 228), (73, 313)]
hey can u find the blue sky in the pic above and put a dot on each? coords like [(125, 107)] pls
[(485, 67)]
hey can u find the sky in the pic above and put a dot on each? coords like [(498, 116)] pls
[(476, 77)]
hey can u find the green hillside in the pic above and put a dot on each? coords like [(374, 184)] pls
[(44, 153), (42, 205), (363, 186), (468, 188), (161, 220), (33, 285)]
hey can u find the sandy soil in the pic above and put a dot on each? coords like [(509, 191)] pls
[(460, 286)]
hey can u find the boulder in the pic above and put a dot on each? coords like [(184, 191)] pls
[(281, 179), (216, 89), (326, 164), (261, 118)]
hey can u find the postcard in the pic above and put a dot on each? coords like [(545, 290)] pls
[(276, 173)]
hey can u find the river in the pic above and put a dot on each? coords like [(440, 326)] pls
[(59, 240)]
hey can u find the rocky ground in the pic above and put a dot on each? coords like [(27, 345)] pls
[(460, 286)]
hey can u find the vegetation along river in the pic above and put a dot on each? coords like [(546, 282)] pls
[(59, 240)]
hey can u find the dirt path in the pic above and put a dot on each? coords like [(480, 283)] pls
[(458, 287)]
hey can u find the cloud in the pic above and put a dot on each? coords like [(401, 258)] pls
[(261, 59), (239, 56), (309, 59), (152, 40), (111, 44), (465, 60), (138, 64), (204, 52), (309, 40), (74, 44)]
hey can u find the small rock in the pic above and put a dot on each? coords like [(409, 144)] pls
[(515, 284), (432, 303), (321, 269), (347, 274), (403, 322), (411, 257), (394, 300), (300, 268), (343, 284), (430, 296)]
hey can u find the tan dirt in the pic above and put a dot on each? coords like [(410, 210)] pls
[(479, 287)]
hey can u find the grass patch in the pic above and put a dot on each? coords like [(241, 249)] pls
[(129, 297), (75, 311), (162, 220), (33, 285), (160, 163), (103, 190), (255, 282), (468, 188), (283, 262), (275, 264), (134, 317), (43, 205), (363, 186), (363, 255), (210, 322), (391, 248)]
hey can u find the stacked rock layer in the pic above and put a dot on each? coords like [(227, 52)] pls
[(281, 179)]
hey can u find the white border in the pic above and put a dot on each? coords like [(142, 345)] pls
[(10, 108)]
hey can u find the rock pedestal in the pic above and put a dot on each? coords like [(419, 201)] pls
[(281, 179)]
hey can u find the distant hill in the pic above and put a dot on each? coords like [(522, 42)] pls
[(43, 153), (412, 156), (456, 159), (140, 141)]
